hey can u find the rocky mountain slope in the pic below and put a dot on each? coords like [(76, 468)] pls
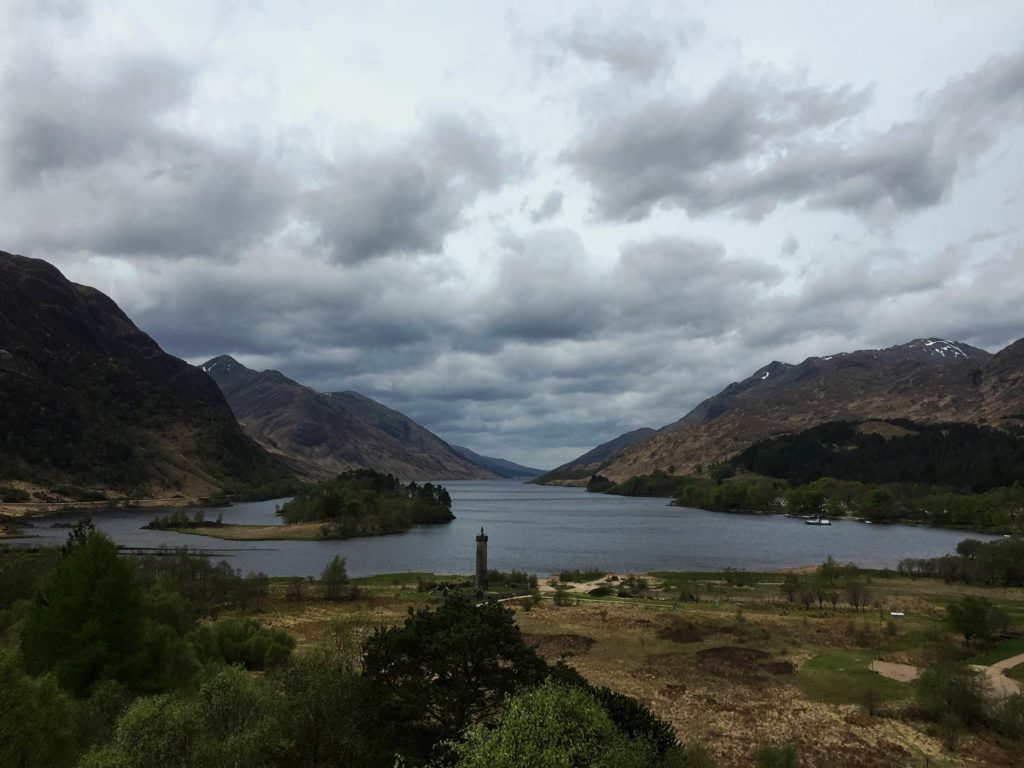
[(500, 467), (579, 470), (90, 401), (925, 380), (323, 434)]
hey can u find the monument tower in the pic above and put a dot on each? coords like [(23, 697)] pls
[(481, 562)]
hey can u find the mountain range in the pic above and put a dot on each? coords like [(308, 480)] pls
[(323, 433), (91, 408), (88, 401), (928, 380), (582, 467)]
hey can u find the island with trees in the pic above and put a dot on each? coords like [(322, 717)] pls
[(359, 502)]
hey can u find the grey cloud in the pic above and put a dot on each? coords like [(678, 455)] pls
[(54, 123), (747, 146), (543, 290), (690, 285), (676, 153), (634, 51), (549, 207), (93, 165), (408, 197)]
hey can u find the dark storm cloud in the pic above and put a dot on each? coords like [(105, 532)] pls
[(748, 145), (94, 164), (409, 197)]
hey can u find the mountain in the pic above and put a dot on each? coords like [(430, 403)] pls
[(500, 467), (324, 433), (579, 470), (926, 380), (88, 400)]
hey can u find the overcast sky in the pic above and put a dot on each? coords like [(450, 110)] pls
[(529, 226)]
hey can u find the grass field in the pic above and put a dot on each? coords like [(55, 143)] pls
[(738, 668), (296, 532)]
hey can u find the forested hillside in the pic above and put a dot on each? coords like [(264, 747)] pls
[(965, 456)]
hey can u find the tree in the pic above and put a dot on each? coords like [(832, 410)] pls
[(975, 618), (335, 579), (790, 586), (86, 624), (552, 727), (857, 594), (723, 471), (330, 712), (807, 594), (38, 725), (952, 695), (229, 722), (445, 669)]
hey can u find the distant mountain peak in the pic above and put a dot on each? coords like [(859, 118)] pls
[(221, 363), (323, 433), (772, 369), (90, 400), (941, 347), (929, 380)]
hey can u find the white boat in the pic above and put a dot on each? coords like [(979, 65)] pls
[(819, 520)]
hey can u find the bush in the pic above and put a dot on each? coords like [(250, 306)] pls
[(10, 495), (242, 641), (552, 725), (952, 692), (579, 577), (1009, 717), (776, 757)]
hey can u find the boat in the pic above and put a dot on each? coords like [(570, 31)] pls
[(819, 520)]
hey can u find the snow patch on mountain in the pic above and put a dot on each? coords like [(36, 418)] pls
[(940, 347)]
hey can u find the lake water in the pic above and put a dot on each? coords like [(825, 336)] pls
[(541, 529)]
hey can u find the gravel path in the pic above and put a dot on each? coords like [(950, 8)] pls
[(1001, 684)]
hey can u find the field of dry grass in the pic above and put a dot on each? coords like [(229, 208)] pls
[(739, 669), (296, 532)]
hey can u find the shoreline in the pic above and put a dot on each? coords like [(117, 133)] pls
[(912, 522)]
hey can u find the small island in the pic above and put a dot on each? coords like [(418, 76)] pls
[(360, 502)]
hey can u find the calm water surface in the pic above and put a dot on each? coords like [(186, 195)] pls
[(542, 530)]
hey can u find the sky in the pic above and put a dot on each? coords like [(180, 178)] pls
[(529, 226)]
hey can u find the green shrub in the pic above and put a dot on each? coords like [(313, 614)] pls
[(783, 756), (242, 641), (10, 495), (952, 691)]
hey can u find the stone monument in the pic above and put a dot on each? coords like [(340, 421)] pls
[(481, 562)]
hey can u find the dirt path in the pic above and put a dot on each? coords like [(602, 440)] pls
[(995, 674), (1009, 663), (903, 673)]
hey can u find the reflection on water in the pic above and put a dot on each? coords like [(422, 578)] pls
[(542, 530)]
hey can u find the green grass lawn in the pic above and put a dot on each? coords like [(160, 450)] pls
[(840, 676), (911, 636)]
